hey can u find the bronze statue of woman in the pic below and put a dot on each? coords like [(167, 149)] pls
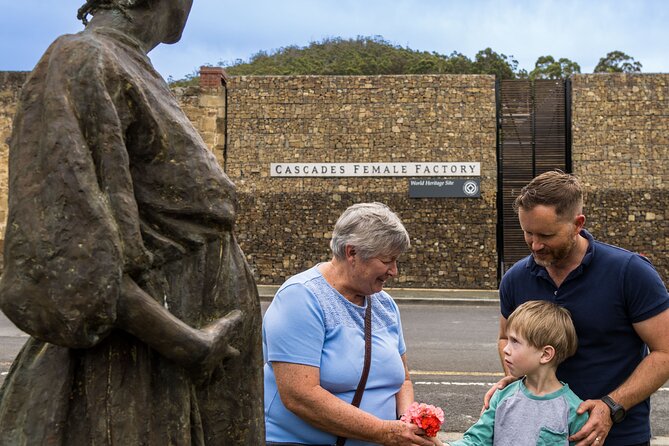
[(120, 257)]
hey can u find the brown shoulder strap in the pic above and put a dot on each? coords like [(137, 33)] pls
[(368, 360)]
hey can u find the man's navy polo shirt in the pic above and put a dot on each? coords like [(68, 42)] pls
[(610, 290)]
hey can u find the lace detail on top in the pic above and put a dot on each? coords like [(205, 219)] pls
[(337, 310)]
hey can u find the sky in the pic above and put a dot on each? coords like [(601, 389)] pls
[(223, 30)]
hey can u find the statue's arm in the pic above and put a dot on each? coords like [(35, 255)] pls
[(142, 316)]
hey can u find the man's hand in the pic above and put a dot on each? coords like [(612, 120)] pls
[(502, 383), (595, 430)]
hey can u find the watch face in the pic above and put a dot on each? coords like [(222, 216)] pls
[(617, 411)]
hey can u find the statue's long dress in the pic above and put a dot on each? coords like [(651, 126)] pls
[(108, 177)]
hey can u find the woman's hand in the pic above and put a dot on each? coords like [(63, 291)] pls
[(399, 433)]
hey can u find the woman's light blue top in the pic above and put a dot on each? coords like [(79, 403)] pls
[(310, 323)]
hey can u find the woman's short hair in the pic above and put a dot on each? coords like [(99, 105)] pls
[(372, 228), (92, 6), (543, 323), (553, 188)]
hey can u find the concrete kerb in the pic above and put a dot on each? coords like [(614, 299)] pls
[(419, 295)]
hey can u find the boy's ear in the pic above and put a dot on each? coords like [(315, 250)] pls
[(547, 354)]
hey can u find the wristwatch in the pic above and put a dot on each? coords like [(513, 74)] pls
[(618, 412)]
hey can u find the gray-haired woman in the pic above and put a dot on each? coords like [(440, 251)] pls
[(120, 259), (314, 342)]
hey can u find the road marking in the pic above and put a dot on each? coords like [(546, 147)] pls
[(454, 383), (450, 383), (446, 373)]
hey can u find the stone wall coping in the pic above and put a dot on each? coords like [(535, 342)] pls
[(12, 79), (212, 77)]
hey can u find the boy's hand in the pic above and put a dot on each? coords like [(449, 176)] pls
[(436, 441)]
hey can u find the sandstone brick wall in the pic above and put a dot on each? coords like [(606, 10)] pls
[(205, 107), (10, 88), (620, 149), (285, 223)]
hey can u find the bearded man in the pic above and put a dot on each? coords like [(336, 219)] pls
[(619, 305)]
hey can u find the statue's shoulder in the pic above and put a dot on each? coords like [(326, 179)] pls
[(83, 44), (83, 57)]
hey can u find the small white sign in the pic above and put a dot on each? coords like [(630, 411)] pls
[(445, 188), (457, 169)]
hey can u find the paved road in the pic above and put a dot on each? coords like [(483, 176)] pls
[(452, 355)]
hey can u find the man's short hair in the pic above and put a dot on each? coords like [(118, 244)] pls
[(553, 188), (542, 323)]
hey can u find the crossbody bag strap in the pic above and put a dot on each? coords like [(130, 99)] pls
[(368, 361)]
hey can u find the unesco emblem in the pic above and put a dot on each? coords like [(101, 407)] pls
[(470, 188)]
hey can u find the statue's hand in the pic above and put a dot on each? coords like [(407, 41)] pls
[(218, 334)]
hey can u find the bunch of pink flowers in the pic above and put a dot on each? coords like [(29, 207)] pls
[(427, 417)]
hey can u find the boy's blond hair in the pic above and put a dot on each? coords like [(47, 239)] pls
[(542, 323)]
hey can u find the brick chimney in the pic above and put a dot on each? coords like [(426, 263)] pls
[(212, 77)]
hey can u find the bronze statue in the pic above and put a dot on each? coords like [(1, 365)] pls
[(119, 241)]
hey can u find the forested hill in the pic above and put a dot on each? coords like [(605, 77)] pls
[(374, 55), (370, 56)]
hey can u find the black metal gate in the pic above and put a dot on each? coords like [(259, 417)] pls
[(533, 136)]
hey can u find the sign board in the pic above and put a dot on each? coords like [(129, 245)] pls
[(456, 169), (444, 188)]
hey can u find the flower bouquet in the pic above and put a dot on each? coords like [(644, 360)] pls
[(427, 417)]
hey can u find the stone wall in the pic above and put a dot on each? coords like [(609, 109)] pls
[(10, 88), (620, 150), (285, 223), (620, 127), (205, 107)]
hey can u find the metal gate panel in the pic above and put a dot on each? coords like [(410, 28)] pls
[(550, 129), (533, 138)]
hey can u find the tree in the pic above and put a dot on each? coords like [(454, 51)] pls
[(458, 63), (546, 67), (489, 62), (617, 62)]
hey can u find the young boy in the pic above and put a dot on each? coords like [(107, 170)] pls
[(537, 409)]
